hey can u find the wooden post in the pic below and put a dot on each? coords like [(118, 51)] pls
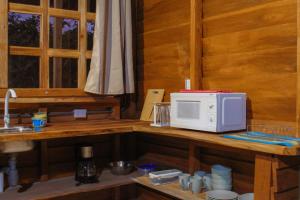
[(44, 161), (194, 162), (117, 147), (82, 44), (196, 45), (4, 43), (263, 177), (44, 44)]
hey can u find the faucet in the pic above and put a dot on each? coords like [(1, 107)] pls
[(9, 93)]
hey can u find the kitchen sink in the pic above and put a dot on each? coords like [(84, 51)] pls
[(16, 146), (16, 129)]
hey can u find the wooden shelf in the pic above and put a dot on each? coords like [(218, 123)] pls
[(66, 186), (171, 189)]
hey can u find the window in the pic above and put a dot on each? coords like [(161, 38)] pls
[(49, 44)]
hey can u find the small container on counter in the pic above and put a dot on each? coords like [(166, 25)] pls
[(165, 176), (1, 181), (145, 169)]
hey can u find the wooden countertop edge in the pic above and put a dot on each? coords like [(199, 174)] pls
[(218, 140), (130, 126)]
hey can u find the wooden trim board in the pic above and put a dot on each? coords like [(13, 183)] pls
[(4, 43)]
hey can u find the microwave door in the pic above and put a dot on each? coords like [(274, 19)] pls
[(188, 110)]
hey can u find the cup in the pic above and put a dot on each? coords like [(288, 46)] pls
[(207, 182), (1, 181), (200, 173), (196, 184), (184, 181), (38, 123)]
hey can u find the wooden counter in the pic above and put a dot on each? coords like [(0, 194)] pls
[(74, 129), (217, 139), (84, 128)]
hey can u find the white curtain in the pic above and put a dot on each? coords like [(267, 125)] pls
[(111, 70)]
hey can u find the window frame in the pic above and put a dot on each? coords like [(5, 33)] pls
[(43, 51)]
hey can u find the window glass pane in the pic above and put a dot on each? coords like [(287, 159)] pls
[(23, 29), (90, 34), (23, 72), (63, 33), (88, 66), (91, 6), (63, 72), (31, 2), (64, 4)]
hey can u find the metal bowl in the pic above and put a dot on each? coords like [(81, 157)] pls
[(121, 168)]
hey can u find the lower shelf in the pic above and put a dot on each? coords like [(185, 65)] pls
[(67, 186), (171, 189)]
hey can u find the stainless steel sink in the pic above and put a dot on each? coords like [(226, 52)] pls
[(16, 146), (15, 129)]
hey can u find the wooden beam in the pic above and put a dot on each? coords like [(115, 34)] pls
[(44, 44), (298, 70), (91, 16), (196, 44), (4, 43), (82, 45), (24, 8), (63, 53), (64, 13), (194, 162), (263, 177), (25, 51)]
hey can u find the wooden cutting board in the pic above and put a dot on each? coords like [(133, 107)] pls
[(153, 96)]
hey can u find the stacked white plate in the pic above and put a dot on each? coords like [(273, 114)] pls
[(221, 195), (248, 196), (221, 177)]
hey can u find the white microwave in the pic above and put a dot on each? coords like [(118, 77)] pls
[(212, 112)]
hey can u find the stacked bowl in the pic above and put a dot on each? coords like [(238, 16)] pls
[(221, 195), (221, 177)]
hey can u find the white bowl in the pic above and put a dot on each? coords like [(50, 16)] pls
[(222, 195), (248, 196)]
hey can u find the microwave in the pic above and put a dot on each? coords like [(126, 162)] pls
[(212, 112)]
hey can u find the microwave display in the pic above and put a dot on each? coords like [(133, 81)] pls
[(188, 109)]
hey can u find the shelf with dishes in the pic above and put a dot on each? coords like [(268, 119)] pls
[(67, 186), (200, 185)]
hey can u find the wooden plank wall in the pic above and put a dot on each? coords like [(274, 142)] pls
[(251, 46), (163, 37)]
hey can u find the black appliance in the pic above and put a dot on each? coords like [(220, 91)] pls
[(86, 169)]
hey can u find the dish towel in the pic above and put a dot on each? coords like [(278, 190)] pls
[(265, 138)]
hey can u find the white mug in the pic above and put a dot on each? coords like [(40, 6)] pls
[(1, 182), (207, 181)]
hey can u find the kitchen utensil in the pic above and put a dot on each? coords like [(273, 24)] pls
[(221, 177), (121, 167), (184, 181), (38, 123), (207, 181), (86, 170), (199, 173), (196, 184), (165, 176), (221, 195), (161, 114), (1, 181), (145, 169), (248, 196)]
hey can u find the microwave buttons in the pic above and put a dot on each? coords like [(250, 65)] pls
[(211, 118)]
